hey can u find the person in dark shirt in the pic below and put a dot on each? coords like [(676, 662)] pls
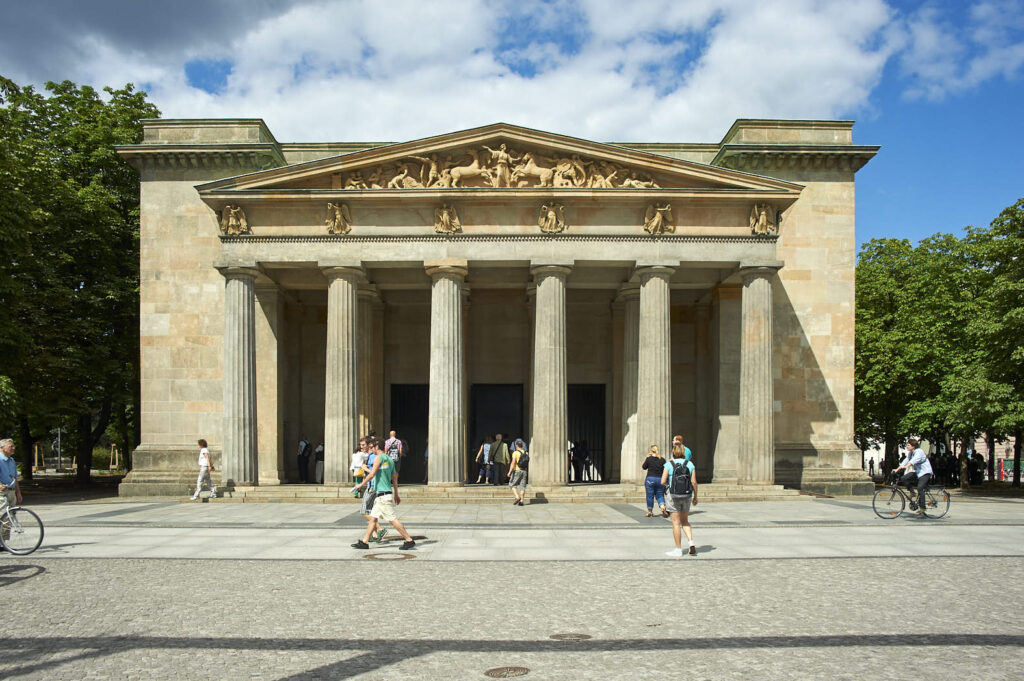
[(654, 465)]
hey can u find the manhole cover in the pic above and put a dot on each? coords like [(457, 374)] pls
[(570, 637), (506, 672), (388, 556)]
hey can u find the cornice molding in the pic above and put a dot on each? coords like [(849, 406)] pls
[(768, 157), (245, 157)]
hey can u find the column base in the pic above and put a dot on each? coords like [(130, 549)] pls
[(440, 485)]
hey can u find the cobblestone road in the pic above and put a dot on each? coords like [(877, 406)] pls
[(942, 617)]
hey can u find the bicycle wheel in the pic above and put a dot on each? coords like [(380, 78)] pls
[(936, 501), (888, 503), (21, 531)]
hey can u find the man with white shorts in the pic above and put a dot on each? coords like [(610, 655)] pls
[(385, 481)]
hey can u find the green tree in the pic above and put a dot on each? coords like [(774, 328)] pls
[(886, 349), (999, 330), (70, 229)]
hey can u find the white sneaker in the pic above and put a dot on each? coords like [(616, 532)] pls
[(213, 495), (674, 553), (194, 497)]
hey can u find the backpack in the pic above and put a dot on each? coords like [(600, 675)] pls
[(524, 462), (681, 485)]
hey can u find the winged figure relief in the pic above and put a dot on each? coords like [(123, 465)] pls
[(551, 218), (339, 219), (658, 219)]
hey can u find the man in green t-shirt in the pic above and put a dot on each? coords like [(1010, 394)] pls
[(385, 481)]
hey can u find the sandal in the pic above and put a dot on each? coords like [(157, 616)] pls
[(650, 514)]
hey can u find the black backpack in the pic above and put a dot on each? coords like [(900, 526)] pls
[(681, 486), (524, 462)]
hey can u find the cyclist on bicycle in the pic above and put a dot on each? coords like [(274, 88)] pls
[(10, 492), (921, 475)]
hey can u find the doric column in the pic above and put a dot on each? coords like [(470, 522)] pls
[(446, 419), (240, 445), (629, 453), (757, 450), (368, 342), (654, 365), (548, 454), (270, 382), (703, 395), (341, 406)]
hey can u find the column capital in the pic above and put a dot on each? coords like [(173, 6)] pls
[(449, 268), (368, 292), (553, 270), (628, 291), (238, 272), (751, 270), (646, 273), (353, 274)]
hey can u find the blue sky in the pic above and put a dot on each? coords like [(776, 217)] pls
[(938, 84)]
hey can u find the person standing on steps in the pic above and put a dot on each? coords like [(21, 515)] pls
[(385, 482), (500, 459), (305, 449), (393, 448), (680, 479), (205, 466)]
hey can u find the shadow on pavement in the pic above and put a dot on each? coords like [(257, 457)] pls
[(34, 654), (10, 574)]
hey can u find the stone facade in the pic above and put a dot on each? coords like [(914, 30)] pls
[(313, 290)]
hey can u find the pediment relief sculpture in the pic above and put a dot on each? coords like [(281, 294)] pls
[(232, 221), (446, 220), (658, 219), (764, 219), (339, 218), (551, 218), (498, 167)]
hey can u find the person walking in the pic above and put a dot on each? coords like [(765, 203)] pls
[(500, 459), (356, 466), (393, 448), (205, 466), (385, 482), (368, 492), (655, 466), (519, 470), (871, 467), (680, 479)]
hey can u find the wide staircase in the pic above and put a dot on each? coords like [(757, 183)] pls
[(500, 494)]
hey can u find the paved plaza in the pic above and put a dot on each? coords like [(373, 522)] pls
[(161, 589)]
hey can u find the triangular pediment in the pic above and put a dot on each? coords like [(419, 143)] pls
[(499, 156)]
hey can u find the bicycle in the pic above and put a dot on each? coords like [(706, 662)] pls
[(21, 530), (890, 501)]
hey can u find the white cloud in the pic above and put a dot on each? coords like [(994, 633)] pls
[(946, 54), (659, 70)]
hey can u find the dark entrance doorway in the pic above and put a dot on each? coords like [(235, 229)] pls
[(586, 430), (409, 412), (494, 408)]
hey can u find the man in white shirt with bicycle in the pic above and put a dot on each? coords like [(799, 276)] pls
[(921, 475), (10, 492)]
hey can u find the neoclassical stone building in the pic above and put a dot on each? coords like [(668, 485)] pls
[(499, 279)]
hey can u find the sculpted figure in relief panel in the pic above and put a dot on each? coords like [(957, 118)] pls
[(658, 219), (551, 219), (339, 219), (232, 221), (446, 220), (501, 167), (764, 219)]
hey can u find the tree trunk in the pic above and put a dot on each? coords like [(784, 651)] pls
[(88, 437), (962, 462), (990, 441), (83, 446), (1016, 457), (25, 443)]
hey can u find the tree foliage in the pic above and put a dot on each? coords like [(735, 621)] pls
[(69, 229), (940, 336)]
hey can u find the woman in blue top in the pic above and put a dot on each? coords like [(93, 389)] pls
[(679, 505)]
